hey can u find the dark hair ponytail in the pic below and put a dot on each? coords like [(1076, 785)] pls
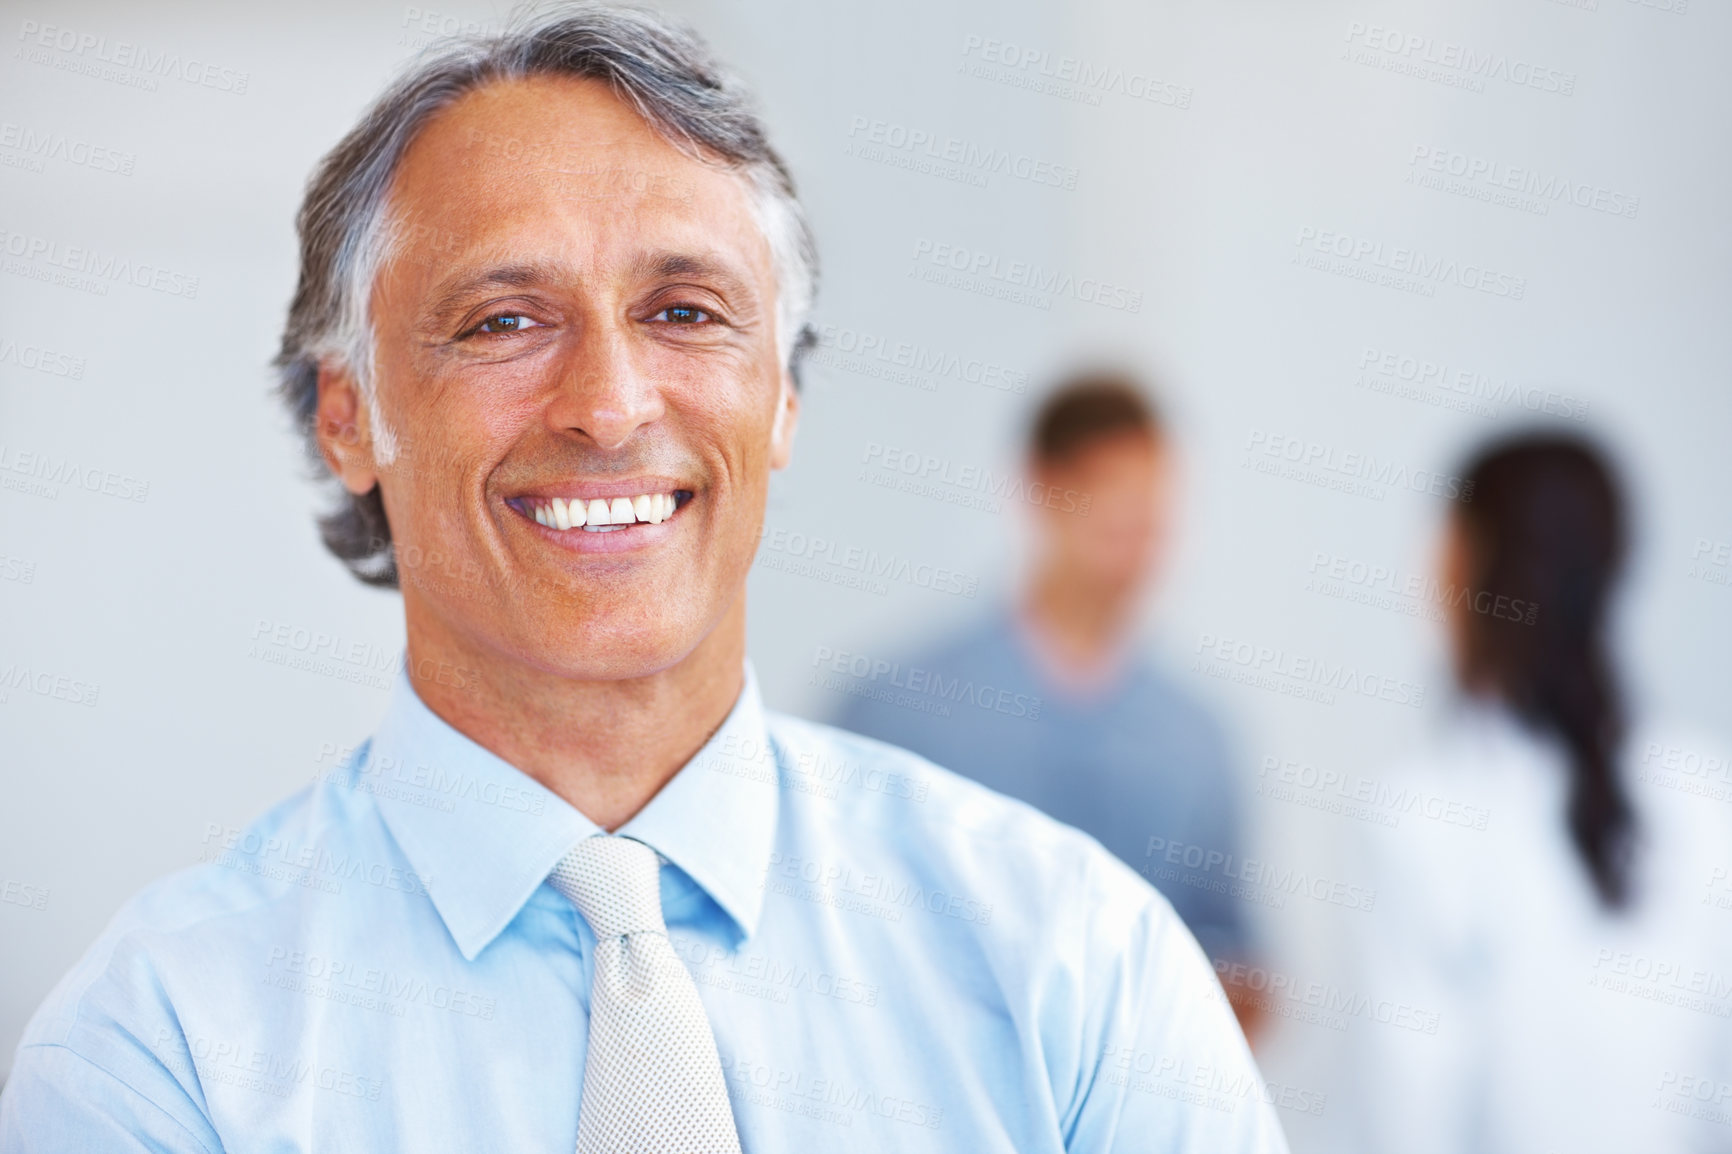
[(1545, 527)]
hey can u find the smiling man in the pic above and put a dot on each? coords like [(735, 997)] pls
[(580, 889)]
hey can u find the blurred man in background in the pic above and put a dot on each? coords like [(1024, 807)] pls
[(1118, 749)]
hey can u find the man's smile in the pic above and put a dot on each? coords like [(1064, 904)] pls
[(593, 509)]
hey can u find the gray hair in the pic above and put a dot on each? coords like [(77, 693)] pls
[(660, 68)]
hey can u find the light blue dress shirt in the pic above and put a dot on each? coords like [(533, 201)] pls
[(891, 957)]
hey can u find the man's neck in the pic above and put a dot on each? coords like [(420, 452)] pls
[(1080, 624), (607, 747)]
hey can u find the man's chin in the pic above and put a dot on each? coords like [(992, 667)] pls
[(599, 650), (616, 619)]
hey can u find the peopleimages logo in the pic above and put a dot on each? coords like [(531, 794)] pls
[(248, 849), (40, 145), (45, 683), (1335, 791), (888, 142), (880, 676), (1399, 266), (876, 567), (1264, 879), (1520, 187), (1330, 572), (1711, 561), (937, 476), (1418, 51), (1067, 77), (86, 52), (1398, 373), (52, 471), (880, 357), (17, 569), (1020, 281), (1298, 675), (91, 262), (41, 359), (1283, 992), (18, 893), (1362, 473)]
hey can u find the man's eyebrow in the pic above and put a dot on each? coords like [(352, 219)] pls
[(503, 276), (679, 265)]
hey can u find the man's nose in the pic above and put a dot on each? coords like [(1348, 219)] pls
[(604, 393)]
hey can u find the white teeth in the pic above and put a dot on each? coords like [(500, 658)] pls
[(601, 512)]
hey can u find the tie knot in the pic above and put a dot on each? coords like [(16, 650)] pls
[(615, 883)]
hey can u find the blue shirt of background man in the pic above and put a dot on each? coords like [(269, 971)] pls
[(1139, 760), (891, 957)]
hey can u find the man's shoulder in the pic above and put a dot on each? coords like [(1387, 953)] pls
[(250, 882), (176, 973), (890, 782), (932, 821)]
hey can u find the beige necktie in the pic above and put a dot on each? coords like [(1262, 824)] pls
[(652, 1083)]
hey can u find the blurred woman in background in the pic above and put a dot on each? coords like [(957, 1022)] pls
[(1565, 967)]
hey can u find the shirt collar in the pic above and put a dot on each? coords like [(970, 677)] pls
[(483, 835)]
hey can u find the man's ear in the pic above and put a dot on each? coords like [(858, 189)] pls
[(787, 420), (345, 438)]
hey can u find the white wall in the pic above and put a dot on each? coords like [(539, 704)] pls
[(1621, 313), (1197, 208)]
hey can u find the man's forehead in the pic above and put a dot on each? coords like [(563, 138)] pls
[(540, 124), (523, 153)]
